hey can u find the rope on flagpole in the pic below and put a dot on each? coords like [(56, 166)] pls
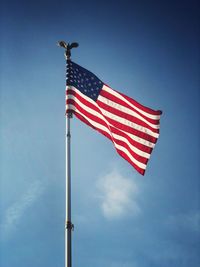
[(69, 227)]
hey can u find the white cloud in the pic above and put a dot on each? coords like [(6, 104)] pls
[(16, 211), (118, 196), (187, 221)]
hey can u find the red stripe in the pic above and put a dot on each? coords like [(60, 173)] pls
[(136, 156), (83, 100), (126, 116), (110, 127), (113, 122), (121, 153), (116, 127), (131, 141), (113, 139), (89, 124), (125, 104), (130, 130), (86, 113), (138, 105)]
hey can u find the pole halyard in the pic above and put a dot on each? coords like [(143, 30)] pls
[(68, 224)]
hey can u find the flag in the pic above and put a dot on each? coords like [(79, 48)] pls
[(132, 127)]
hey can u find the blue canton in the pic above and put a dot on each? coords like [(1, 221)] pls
[(84, 80)]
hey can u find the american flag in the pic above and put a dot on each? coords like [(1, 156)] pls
[(132, 127)]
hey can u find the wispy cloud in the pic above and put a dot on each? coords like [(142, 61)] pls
[(118, 195), (16, 211), (188, 221)]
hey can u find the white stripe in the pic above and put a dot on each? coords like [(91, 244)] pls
[(133, 148), (148, 115), (138, 139), (116, 136), (91, 111), (82, 95), (133, 137), (126, 110), (103, 128), (139, 164), (128, 123), (96, 124)]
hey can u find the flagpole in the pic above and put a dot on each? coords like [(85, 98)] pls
[(68, 224)]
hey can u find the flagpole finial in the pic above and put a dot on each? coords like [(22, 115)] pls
[(67, 47)]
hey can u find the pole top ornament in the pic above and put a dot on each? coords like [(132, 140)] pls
[(67, 47)]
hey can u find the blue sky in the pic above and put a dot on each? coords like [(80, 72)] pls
[(148, 50)]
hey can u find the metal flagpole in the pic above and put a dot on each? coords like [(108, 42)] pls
[(68, 224)]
